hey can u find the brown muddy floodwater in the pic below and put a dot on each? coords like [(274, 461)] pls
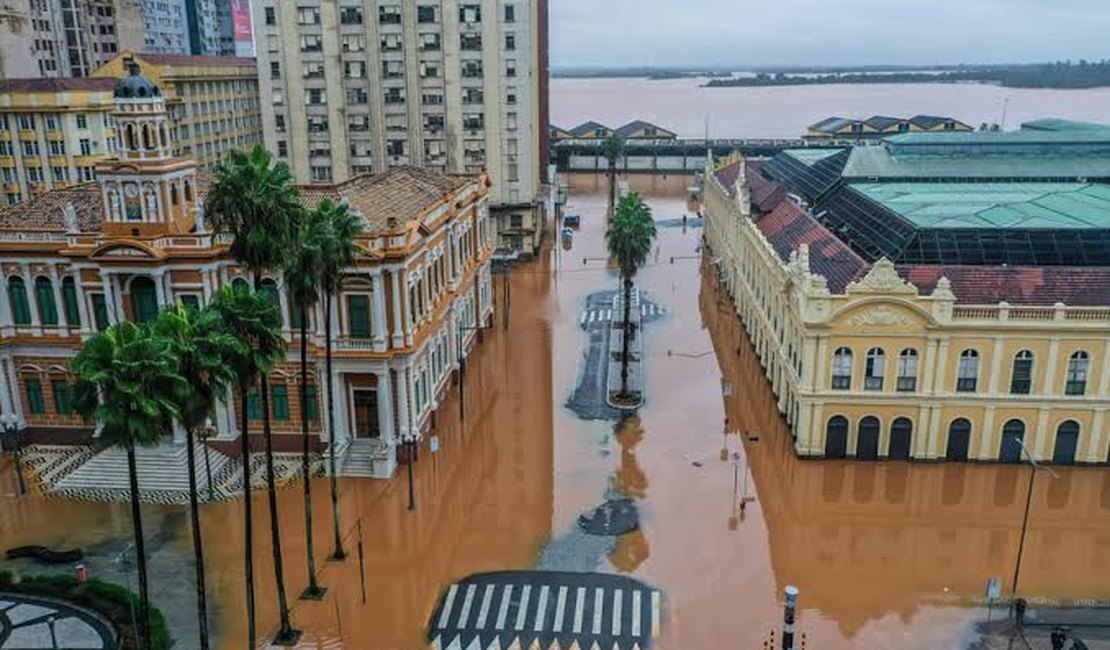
[(885, 555)]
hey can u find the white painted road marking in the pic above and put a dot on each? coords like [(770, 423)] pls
[(541, 609), (484, 611), (467, 602), (654, 614), (503, 611), (599, 605), (617, 596), (559, 609), (447, 604), (578, 604), (523, 611), (636, 613)]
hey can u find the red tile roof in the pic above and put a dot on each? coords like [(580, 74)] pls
[(727, 176), (787, 227), (766, 193), (989, 285), (54, 85), (45, 212)]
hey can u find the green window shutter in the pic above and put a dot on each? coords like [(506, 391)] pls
[(191, 302), (310, 402), (69, 293), (35, 402), (44, 295), (144, 300), (294, 316), (17, 298), (253, 405), (358, 316), (280, 395), (60, 388), (100, 311), (270, 291)]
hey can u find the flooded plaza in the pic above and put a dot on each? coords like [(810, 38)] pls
[(884, 554)]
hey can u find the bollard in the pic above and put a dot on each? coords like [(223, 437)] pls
[(788, 617), (82, 573)]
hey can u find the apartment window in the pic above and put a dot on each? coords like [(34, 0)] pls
[(86, 146), (389, 15), (354, 69), (395, 147), (360, 148), (350, 16), (26, 122), (317, 124), (30, 148), (35, 403), (1078, 365), (310, 408), (283, 149), (87, 173), (1021, 376), (358, 123), (510, 13), (12, 198), (62, 403), (313, 69), (433, 123), (44, 296), (426, 14), (57, 147), (429, 43), (510, 68), (391, 43), (474, 121), (5, 148), (279, 396), (967, 372), (82, 121), (473, 96), (434, 148), (314, 96), (396, 122), (357, 96), (319, 149), (311, 43), (353, 43), (510, 42), (271, 16), (279, 123), (321, 174), (308, 15), (842, 369), (34, 175), (60, 174), (472, 69), (393, 69), (8, 174), (874, 369), (358, 316), (254, 405), (275, 69), (470, 13), (394, 95), (4, 122), (429, 71), (907, 371), (431, 99), (470, 42)]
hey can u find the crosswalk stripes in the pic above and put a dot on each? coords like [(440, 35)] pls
[(532, 609), (606, 315)]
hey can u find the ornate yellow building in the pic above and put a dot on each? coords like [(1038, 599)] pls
[(879, 340), (76, 260)]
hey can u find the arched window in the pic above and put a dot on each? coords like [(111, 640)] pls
[(17, 298), (967, 373), (867, 443), (1021, 377), (907, 371), (836, 437), (239, 284), (874, 370), (163, 141), (842, 369), (269, 289), (1013, 435), (1078, 365), (69, 294), (173, 194), (148, 139), (188, 189), (144, 300), (1067, 441), (959, 439), (901, 437), (129, 139), (44, 296)]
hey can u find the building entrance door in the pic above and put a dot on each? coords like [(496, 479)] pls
[(366, 414)]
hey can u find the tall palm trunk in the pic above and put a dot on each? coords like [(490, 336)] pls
[(627, 333), (198, 544), (248, 521), (338, 553), (140, 549), (313, 591), (612, 185)]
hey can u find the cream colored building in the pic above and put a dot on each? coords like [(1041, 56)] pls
[(355, 87), (875, 360)]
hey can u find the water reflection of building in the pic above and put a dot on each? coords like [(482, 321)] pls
[(862, 539), (903, 312)]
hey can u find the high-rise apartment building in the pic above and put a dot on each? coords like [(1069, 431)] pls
[(355, 86), (210, 30), (165, 27), (65, 38)]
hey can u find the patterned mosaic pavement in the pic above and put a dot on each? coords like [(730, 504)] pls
[(27, 623)]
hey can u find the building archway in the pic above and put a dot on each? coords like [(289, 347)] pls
[(901, 437), (1013, 435), (959, 439), (836, 437), (867, 442), (144, 300), (1067, 441)]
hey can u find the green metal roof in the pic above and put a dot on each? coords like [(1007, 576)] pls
[(1059, 124), (811, 156), (878, 162), (995, 205), (1023, 137)]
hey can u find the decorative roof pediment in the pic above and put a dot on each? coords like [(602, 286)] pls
[(882, 278), (126, 250)]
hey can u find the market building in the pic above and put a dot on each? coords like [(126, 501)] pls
[(78, 259), (939, 297)]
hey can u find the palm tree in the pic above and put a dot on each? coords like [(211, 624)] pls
[(124, 379), (629, 237), (254, 320), (340, 250), (253, 199), (203, 348), (302, 277), (613, 148)]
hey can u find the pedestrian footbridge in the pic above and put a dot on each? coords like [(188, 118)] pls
[(531, 610)]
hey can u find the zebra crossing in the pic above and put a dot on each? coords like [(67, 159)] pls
[(540, 609), (605, 315)]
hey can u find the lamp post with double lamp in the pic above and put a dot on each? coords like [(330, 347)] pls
[(409, 443), (462, 368), (13, 440), (1033, 467)]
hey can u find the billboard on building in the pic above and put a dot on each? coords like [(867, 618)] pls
[(241, 21)]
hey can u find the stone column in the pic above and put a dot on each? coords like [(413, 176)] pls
[(377, 313), (1095, 446), (109, 297), (404, 426), (934, 437), (986, 434), (59, 301), (996, 366), (32, 297), (1050, 387), (398, 329), (160, 289), (924, 435), (342, 426), (5, 390), (13, 383), (1040, 435), (385, 407), (87, 326), (7, 321)]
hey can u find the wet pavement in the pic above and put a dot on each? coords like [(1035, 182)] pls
[(890, 555)]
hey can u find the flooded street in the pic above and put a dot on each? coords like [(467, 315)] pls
[(884, 554)]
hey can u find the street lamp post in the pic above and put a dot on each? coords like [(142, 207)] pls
[(462, 368), (410, 456), (1033, 467), (13, 430)]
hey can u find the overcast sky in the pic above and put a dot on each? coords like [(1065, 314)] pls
[(771, 32)]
